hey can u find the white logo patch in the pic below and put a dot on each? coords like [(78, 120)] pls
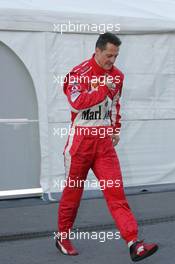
[(74, 96), (75, 92)]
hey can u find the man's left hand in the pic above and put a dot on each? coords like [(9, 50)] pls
[(115, 139)]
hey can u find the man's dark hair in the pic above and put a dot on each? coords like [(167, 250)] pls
[(107, 38)]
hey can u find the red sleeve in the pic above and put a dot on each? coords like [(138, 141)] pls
[(80, 98)]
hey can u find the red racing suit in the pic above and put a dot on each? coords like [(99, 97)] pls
[(95, 111)]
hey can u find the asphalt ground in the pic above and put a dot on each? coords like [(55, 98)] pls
[(27, 225), (91, 251)]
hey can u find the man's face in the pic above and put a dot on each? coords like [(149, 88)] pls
[(106, 58)]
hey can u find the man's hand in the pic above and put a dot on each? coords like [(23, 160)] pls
[(115, 139), (108, 82)]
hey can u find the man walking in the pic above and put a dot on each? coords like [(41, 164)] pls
[(93, 89)]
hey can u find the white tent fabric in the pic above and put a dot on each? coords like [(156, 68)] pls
[(137, 16), (147, 146)]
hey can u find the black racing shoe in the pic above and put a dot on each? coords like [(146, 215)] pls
[(65, 246), (140, 250)]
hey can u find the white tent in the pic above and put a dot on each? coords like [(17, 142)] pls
[(50, 37)]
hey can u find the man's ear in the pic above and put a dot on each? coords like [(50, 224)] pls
[(97, 50)]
